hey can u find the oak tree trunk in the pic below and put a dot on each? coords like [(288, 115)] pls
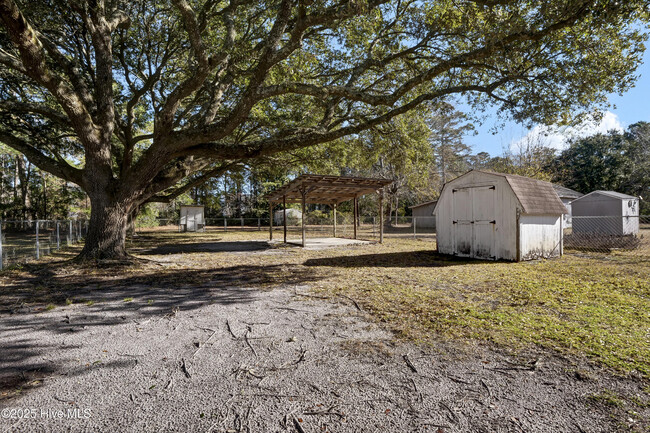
[(106, 237)]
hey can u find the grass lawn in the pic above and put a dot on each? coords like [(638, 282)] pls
[(596, 305), (599, 307)]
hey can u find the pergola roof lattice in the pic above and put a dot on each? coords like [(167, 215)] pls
[(326, 189)]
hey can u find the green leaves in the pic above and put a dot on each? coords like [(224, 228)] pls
[(613, 161)]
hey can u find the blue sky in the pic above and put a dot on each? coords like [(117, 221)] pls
[(626, 109)]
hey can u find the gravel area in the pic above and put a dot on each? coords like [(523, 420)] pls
[(240, 359)]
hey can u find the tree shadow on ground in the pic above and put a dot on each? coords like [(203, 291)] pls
[(407, 259), (29, 304), (205, 247)]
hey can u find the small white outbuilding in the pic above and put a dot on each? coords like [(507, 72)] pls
[(606, 213), (192, 218), (423, 214), (294, 216), (494, 216)]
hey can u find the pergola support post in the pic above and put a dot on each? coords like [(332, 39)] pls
[(327, 189), (284, 205), (381, 216), (303, 193), (270, 221), (356, 215)]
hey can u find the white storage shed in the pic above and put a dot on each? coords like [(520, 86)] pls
[(294, 217), (493, 216), (423, 214), (606, 213), (192, 218)]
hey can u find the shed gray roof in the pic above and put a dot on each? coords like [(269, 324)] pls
[(613, 194), (535, 196), (564, 192), (426, 203)]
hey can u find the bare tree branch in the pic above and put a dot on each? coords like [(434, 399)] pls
[(24, 107)]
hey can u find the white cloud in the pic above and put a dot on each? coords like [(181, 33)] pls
[(556, 137)]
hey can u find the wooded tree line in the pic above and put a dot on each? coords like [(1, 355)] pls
[(616, 161), (422, 150), (419, 152)]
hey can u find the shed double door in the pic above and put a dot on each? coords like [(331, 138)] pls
[(191, 221), (474, 221)]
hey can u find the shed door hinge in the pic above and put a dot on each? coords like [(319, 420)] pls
[(493, 222), (493, 187), (454, 222)]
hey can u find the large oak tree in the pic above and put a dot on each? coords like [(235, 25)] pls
[(139, 100)]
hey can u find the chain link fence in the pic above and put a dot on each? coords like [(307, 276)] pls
[(608, 234), (318, 225), (604, 234), (24, 241), (210, 224)]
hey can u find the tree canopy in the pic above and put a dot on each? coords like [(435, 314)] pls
[(137, 101)]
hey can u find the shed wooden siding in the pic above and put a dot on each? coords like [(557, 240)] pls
[(567, 216), (567, 195), (293, 215), (492, 216), (505, 214), (538, 236), (630, 214), (192, 218)]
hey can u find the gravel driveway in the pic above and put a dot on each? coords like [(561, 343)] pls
[(240, 359)]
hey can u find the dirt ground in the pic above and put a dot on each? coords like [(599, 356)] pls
[(226, 356)]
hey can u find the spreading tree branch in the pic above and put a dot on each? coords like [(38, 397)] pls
[(192, 183), (58, 168), (34, 62)]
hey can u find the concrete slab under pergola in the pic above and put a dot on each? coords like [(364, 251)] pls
[(324, 243), (329, 190)]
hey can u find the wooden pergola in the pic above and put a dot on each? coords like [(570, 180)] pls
[(330, 190)]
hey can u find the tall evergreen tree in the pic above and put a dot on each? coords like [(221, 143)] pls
[(448, 129)]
